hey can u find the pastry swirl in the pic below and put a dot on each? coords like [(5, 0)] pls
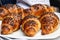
[(3, 12), (49, 22), (37, 9), (30, 25), (11, 23)]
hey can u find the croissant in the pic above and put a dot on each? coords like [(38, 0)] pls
[(30, 25), (7, 28), (11, 23), (49, 8), (49, 22), (13, 8), (37, 9), (3, 12)]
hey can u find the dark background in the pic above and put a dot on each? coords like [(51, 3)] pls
[(8, 2), (55, 3)]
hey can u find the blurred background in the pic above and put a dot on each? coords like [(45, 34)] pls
[(55, 3)]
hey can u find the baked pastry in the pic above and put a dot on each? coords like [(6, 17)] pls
[(34, 10), (27, 12), (13, 8), (49, 22), (37, 9), (41, 8), (3, 12), (7, 26), (49, 8), (11, 23), (30, 25)]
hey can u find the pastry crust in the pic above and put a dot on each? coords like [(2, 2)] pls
[(41, 8), (6, 26), (3, 13), (37, 9), (30, 25), (13, 8), (12, 21), (49, 22)]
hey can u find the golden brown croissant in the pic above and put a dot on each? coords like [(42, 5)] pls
[(49, 8), (11, 23), (7, 26), (37, 9), (30, 25), (3, 12), (49, 22), (13, 8), (33, 10)]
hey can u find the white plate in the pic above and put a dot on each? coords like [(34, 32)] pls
[(19, 34), (32, 2)]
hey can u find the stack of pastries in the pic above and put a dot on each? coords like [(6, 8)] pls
[(37, 17)]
